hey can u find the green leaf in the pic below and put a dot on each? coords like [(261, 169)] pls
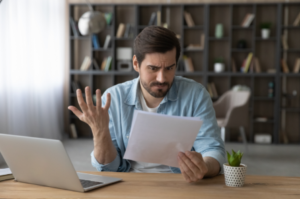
[(235, 158)]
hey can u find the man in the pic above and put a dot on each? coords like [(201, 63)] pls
[(156, 54)]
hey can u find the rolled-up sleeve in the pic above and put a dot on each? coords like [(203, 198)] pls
[(113, 166), (208, 141)]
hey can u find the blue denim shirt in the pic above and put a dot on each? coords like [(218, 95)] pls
[(185, 98)]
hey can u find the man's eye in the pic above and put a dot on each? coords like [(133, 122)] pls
[(153, 68), (170, 68)]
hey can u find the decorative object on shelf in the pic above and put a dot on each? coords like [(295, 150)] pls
[(198, 46), (242, 44), (91, 22), (297, 20), (263, 138), (86, 63), (124, 58), (234, 171), (219, 30), (247, 20), (265, 30), (219, 65), (297, 66), (188, 19)]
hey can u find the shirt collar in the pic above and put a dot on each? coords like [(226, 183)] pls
[(132, 97)]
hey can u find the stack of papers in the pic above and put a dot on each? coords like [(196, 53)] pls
[(6, 174), (157, 138)]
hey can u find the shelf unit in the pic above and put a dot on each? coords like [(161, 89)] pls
[(206, 16)]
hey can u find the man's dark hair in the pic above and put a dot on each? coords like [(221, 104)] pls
[(155, 39)]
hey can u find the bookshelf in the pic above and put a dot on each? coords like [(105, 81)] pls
[(283, 120)]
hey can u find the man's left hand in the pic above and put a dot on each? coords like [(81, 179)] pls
[(192, 166)]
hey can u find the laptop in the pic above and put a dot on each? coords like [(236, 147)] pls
[(45, 162)]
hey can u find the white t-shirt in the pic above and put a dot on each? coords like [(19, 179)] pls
[(144, 167)]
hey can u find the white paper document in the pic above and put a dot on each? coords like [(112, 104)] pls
[(157, 138), (4, 172)]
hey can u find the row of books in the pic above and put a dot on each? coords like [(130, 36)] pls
[(286, 69), (96, 43), (155, 18), (250, 64), (125, 31), (74, 24), (105, 65), (198, 46)]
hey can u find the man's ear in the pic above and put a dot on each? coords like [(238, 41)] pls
[(135, 64)]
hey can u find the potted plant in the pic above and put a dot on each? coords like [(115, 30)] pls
[(234, 171), (265, 30), (219, 65)]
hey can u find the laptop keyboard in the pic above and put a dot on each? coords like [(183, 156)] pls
[(88, 183)]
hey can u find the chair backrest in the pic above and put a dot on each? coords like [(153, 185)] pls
[(236, 98)]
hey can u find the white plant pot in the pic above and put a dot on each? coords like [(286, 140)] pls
[(219, 67), (265, 33), (234, 176)]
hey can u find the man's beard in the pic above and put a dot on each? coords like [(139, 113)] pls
[(159, 93)]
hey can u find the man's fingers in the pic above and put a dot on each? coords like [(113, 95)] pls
[(75, 111), (98, 99), (185, 176), (197, 159), (88, 97), (186, 168), (80, 100), (108, 99)]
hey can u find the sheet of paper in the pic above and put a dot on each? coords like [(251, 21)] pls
[(4, 172), (157, 138)]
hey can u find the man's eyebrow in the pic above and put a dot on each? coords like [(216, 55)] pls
[(159, 66)]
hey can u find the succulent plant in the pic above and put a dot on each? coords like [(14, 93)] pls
[(235, 158)]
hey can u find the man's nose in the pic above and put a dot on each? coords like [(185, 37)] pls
[(161, 76)]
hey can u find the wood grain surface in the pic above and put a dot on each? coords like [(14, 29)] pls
[(146, 185)]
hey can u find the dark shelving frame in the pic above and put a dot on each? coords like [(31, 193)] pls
[(205, 75)]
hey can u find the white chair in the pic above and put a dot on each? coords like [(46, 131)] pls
[(232, 112)]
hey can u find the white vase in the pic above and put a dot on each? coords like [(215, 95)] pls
[(234, 176), (265, 33), (219, 67)]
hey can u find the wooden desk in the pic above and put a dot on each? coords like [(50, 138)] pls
[(144, 185)]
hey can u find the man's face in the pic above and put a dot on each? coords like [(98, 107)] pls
[(157, 72)]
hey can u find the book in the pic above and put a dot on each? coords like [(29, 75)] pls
[(107, 41), (194, 46), (6, 174), (121, 30), (297, 20), (95, 41), (284, 66), (152, 19), (158, 18), (233, 65), (108, 63), (209, 89), (127, 30), (86, 63), (243, 65), (257, 65), (251, 68), (191, 65), (202, 40), (297, 66), (95, 64), (248, 61), (74, 27), (284, 42), (188, 19), (108, 17), (75, 86), (214, 90), (103, 63), (188, 64), (247, 20), (73, 131)]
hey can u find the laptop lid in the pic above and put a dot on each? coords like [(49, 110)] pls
[(44, 162)]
